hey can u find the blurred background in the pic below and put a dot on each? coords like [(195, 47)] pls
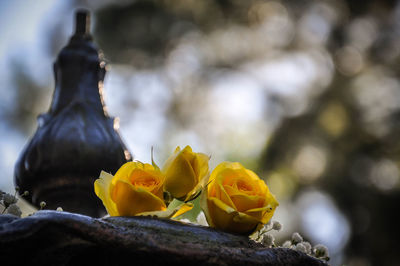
[(306, 93)]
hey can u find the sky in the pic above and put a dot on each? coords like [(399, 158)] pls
[(20, 33)]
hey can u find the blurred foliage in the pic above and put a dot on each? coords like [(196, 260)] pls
[(307, 92), (344, 141), (29, 98)]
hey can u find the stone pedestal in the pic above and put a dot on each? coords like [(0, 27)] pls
[(62, 238)]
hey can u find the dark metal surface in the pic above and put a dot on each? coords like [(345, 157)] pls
[(61, 238), (75, 139)]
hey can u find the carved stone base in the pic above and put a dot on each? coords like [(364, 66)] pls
[(62, 238)]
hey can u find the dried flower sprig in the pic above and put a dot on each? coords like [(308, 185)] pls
[(297, 243), (263, 236), (8, 202)]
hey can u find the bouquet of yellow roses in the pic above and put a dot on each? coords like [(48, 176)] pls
[(233, 198)]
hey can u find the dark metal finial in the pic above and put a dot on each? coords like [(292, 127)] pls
[(82, 22), (76, 139)]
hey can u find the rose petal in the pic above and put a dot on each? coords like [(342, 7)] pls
[(228, 219), (189, 155), (180, 177), (264, 214), (125, 171), (221, 167), (224, 196), (131, 201), (243, 218), (239, 185), (200, 166), (148, 175), (217, 190), (220, 213), (201, 170), (102, 189), (245, 202)]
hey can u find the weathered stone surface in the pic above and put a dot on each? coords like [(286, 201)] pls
[(62, 238)]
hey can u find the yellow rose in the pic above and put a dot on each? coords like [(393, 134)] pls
[(136, 188), (236, 199), (186, 173)]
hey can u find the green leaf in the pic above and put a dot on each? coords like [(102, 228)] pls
[(152, 160)]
